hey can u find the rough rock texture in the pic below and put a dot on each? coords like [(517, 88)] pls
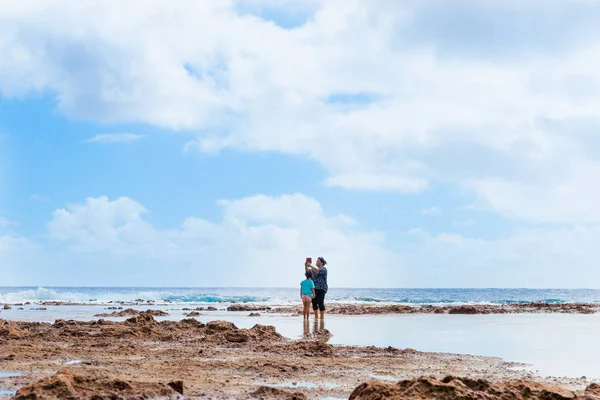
[(192, 314), (218, 360), (360, 309), (67, 385), (271, 393), (460, 388), (242, 307), (130, 312)]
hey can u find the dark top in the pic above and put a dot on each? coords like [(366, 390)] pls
[(320, 279)]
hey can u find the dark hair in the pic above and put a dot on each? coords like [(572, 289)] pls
[(308, 274), (322, 260)]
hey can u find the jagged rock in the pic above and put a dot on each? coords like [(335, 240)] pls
[(91, 385)]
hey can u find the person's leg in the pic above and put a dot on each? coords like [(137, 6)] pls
[(305, 306), (315, 305), (321, 302)]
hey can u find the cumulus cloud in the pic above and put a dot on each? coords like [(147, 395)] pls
[(534, 258), (18, 256), (385, 95), (114, 138), (431, 211), (260, 241)]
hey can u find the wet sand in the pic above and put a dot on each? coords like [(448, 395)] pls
[(220, 360)]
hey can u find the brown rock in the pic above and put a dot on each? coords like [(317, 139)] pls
[(236, 336), (217, 326), (131, 312), (592, 391), (459, 388), (271, 393), (466, 310), (254, 314), (6, 307), (67, 385), (192, 314), (241, 307), (10, 330)]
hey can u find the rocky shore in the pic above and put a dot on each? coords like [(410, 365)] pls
[(144, 358), (362, 309)]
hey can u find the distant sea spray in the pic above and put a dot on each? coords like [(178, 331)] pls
[(103, 295)]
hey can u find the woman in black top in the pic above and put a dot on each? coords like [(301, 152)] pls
[(319, 277)]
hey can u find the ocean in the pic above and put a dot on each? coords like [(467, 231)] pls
[(102, 295)]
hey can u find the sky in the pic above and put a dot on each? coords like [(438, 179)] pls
[(218, 143)]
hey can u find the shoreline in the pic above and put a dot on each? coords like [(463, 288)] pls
[(335, 308), (220, 360)]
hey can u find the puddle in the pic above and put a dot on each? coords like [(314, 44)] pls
[(74, 362), (385, 377), (308, 385), (7, 392), (9, 374)]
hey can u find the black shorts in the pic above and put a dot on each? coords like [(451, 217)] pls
[(318, 302)]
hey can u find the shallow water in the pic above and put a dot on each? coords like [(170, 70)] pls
[(553, 344), (302, 384)]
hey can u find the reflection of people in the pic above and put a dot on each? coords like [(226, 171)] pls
[(318, 327), (307, 293), (319, 277), (306, 328)]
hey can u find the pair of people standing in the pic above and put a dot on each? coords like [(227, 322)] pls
[(314, 287)]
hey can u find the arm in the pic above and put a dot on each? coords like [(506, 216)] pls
[(300, 291), (314, 269), (313, 292)]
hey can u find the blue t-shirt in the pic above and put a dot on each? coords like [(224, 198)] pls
[(306, 286)]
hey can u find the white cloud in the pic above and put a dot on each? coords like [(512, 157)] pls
[(443, 100), (18, 257), (260, 241), (114, 138), (377, 182), (534, 258), (431, 211), (4, 222)]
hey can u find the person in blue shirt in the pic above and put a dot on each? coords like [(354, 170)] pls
[(307, 293), (319, 277)]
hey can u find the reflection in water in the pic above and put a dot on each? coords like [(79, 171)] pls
[(306, 332), (318, 330)]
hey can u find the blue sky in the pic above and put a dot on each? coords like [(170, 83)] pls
[(410, 144)]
